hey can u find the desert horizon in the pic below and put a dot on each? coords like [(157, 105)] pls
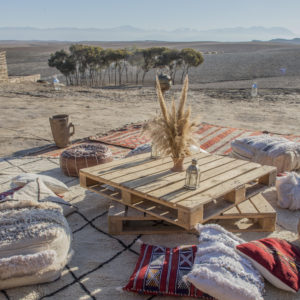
[(222, 61)]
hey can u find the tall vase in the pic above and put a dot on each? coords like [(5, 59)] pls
[(178, 164)]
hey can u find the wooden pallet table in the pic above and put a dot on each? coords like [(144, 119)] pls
[(124, 219), (150, 186), (254, 214)]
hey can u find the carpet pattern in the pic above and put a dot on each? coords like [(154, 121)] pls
[(212, 138)]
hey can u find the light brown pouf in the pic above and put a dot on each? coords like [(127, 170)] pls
[(83, 156)]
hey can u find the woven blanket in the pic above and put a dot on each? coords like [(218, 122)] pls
[(212, 138)]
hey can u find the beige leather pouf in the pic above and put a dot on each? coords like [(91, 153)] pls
[(83, 156)]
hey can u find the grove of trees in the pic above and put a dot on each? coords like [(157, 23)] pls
[(94, 66)]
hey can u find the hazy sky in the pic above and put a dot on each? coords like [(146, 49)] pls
[(154, 14)]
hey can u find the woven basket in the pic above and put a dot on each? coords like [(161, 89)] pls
[(83, 156)]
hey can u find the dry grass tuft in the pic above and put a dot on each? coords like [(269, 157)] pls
[(172, 131)]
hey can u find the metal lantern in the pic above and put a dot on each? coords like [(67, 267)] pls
[(154, 152), (192, 178)]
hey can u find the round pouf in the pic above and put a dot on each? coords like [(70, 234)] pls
[(83, 156)]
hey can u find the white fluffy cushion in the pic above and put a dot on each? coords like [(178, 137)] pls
[(268, 150), (220, 271), (35, 242), (37, 191), (288, 191), (53, 184)]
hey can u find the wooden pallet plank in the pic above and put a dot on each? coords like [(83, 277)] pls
[(247, 207), (153, 163), (244, 225), (117, 165), (230, 212), (211, 166), (234, 169), (142, 227), (171, 177), (167, 176), (225, 187), (268, 224), (262, 205), (148, 168), (118, 210), (149, 172), (160, 212), (105, 191)]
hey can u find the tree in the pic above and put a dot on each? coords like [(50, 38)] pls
[(170, 58), (150, 56), (64, 63), (89, 65), (190, 58), (136, 60)]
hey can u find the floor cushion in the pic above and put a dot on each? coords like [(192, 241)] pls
[(160, 271), (37, 191), (288, 191), (83, 156), (268, 150), (35, 242), (277, 260), (220, 271), (53, 184)]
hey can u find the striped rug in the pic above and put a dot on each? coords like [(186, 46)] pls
[(212, 138)]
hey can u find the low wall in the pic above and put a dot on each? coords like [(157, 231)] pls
[(3, 66), (20, 79)]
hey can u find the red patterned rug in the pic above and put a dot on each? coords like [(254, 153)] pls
[(212, 138)]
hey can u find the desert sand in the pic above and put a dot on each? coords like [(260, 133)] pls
[(26, 109)]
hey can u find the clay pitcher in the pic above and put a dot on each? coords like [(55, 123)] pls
[(62, 130)]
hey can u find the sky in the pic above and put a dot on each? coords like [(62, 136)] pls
[(154, 14)]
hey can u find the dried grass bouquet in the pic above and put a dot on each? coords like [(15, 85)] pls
[(172, 131)]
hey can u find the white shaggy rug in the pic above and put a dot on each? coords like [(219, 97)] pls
[(102, 263)]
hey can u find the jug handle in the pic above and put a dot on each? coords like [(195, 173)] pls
[(73, 131)]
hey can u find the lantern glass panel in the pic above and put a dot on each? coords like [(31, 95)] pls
[(192, 176), (193, 180)]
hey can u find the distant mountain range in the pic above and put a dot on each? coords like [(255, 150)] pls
[(129, 33), (292, 41)]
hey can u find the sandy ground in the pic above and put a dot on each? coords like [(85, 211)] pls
[(26, 109)]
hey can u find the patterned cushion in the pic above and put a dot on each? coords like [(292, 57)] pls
[(160, 271), (268, 150), (277, 260)]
